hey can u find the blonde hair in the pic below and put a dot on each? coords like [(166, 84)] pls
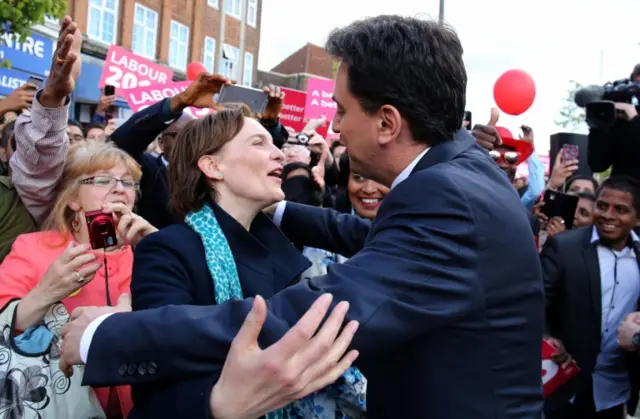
[(84, 159)]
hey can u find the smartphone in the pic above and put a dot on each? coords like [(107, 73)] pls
[(38, 81), (102, 229), (109, 90), (256, 99), (558, 204), (569, 152)]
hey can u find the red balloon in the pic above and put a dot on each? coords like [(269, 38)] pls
[(194, 69), (514, 92)]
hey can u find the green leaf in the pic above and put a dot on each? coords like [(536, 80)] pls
[(21, 15)]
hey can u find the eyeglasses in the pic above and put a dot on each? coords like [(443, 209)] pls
[(110, 182), (511, 157)]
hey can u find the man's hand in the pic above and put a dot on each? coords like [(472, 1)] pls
[(487, 136), (555, 226), (274, 105), (626, 111), (21, 98), (315, 123), (255, 381), (66, 66), (104, 103), (318, 145), (72, 332), (200, 93), (626, 330), (561, 357), (527, 134)]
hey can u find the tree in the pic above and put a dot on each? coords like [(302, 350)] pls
[(18, 16), (571, 117)]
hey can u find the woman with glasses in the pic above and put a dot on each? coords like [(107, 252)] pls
[(58, 265)]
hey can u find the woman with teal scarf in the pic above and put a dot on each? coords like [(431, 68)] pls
[(223, 171)]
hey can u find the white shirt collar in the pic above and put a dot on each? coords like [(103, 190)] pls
[(595, 236), (407, 171)]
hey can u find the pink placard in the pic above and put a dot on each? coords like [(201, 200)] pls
[(126, 70), (319, 102), (292, 114), (140, 98)]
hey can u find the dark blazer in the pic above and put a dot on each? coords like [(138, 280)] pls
[(572, 281), (450, 326), (135, 135), (170, 269)]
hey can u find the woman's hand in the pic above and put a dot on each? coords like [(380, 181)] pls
[(131, 227), (561, 172), (319, 170), (72, 270), (555, 226)]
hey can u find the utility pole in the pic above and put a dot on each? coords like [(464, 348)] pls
[(243, 30), (220, 43), (441, 15)]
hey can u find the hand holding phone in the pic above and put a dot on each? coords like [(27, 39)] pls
[(254, 98), (109, 90)]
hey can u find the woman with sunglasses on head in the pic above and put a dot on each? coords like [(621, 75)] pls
[(58, 265), (224, 169)]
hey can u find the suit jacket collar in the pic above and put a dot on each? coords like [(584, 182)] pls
[(446, 150), (266, 261)]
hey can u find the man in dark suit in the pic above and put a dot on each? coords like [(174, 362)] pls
[(165, 119), (450, 326), (592, 282)]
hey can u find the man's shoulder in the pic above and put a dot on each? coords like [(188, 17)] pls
[(569, 240)]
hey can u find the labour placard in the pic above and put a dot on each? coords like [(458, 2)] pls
[(140, 98), (126, 70)]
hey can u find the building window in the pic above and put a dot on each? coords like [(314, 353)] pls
[(247, 80), (233, 8), (229, 61), (145, 28), (102, 21), (213, 3), (252, 13), (178, 45), (209, 53)]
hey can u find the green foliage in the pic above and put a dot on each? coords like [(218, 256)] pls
[(571, 117), (18, 16)]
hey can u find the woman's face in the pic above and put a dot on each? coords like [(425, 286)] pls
[(116, 185), (251, 166), (365, 195), (584, 213), (580, 186)]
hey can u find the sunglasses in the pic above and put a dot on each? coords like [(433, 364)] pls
[(510, 157)]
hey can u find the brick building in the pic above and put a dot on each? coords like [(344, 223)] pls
[(224, 35), (293, 72)]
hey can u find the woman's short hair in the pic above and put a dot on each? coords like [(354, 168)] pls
[(189, 188), (84, 159)]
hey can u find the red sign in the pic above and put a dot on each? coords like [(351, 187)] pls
[(554, 375), (143, 97), (292, 114), (126, 70)]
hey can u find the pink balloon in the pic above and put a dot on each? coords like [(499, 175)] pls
[(194, 69), (514, 92)]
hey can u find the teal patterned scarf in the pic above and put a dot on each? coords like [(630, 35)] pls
[(222, 266)]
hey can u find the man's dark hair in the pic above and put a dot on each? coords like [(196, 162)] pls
[(92, 126), (625, 184), (635, 73), (411, 64), (75, 124)]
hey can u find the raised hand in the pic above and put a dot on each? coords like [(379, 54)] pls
[(200, 93), (487, 136), (274, 105), (65, 67)]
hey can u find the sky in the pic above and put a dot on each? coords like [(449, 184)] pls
[(590, 41)]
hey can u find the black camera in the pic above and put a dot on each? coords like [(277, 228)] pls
[(303, 139), (600, 101)]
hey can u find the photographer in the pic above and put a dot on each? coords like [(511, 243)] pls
[(619, 145)]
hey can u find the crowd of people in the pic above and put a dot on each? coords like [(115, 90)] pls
[(402, 271)]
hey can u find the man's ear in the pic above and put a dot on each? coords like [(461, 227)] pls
[(389, 124)]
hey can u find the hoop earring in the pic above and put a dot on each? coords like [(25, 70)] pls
[(75, 223)]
